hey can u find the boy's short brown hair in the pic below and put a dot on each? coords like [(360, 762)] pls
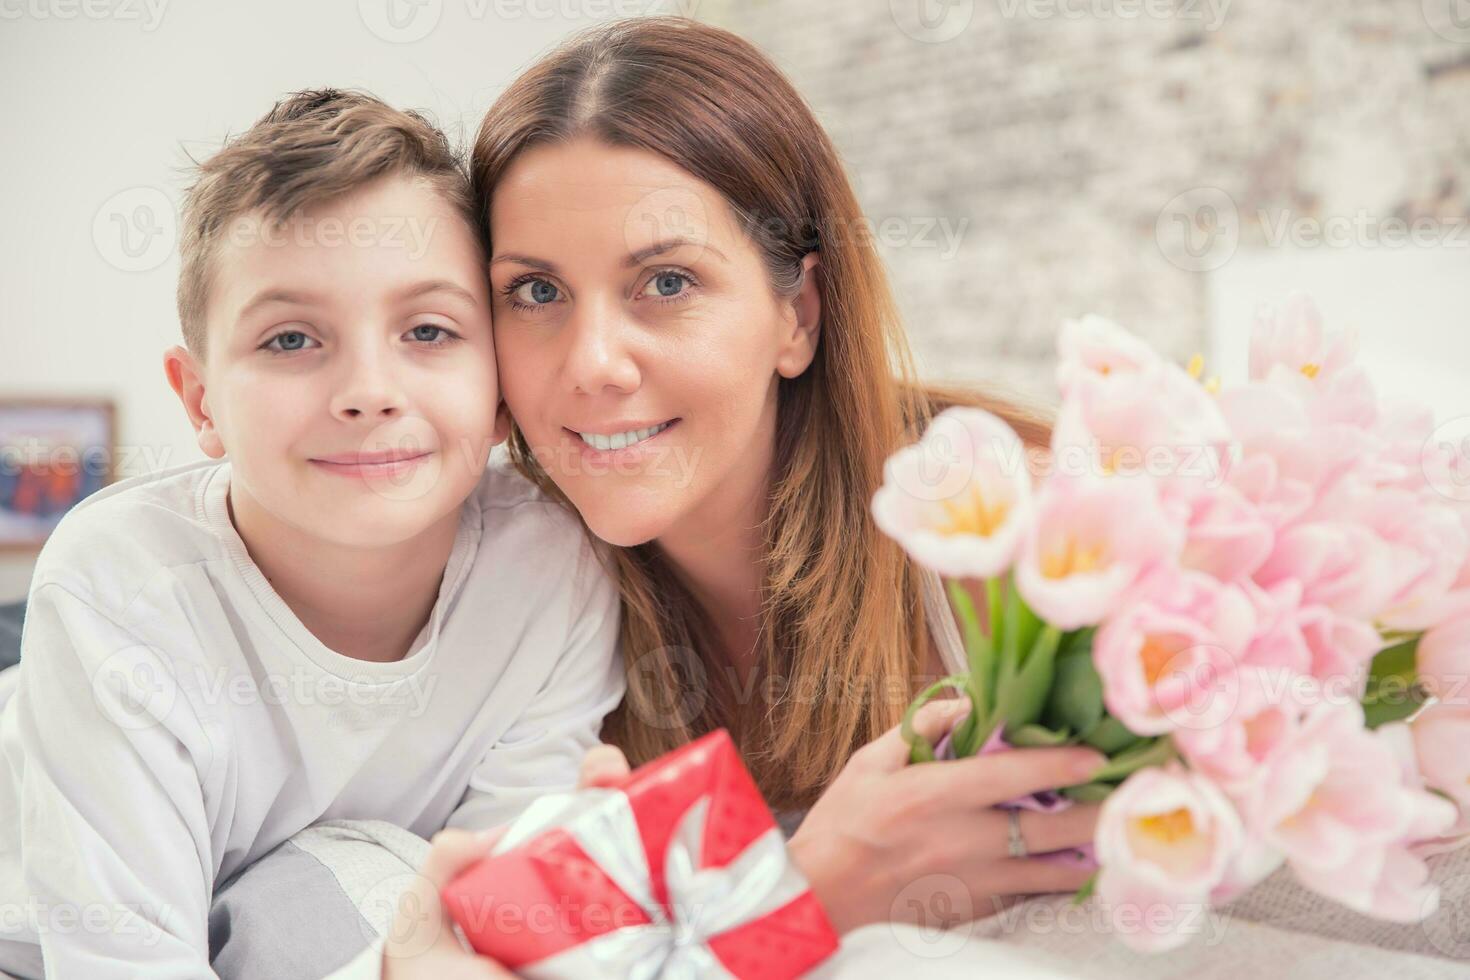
[(310, 148)]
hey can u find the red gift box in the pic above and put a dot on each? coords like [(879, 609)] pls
[(679, 870)]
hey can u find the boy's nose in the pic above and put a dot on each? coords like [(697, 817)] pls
[(386, 411), (372, 394)]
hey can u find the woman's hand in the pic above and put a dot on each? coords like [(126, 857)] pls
[(421, 940), (889, 842)]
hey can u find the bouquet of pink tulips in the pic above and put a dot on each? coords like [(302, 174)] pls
[(1255, 600)]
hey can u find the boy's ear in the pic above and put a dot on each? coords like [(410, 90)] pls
[(799, 344), (501, 432), (187, 381)]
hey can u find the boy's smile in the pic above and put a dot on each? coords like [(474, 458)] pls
[(393, 463)]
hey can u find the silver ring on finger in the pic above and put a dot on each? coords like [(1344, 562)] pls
[(1015, 843)]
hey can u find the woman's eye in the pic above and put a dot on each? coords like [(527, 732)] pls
[(666, 285), (535, 292), (429, 333), (289, 340)]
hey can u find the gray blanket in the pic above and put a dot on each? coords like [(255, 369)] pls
[(307, 907), (11, 618)]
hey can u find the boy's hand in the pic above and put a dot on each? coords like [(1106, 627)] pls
[(421, 941), (603, 765)]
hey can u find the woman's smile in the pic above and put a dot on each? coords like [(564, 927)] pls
[(616, 438)]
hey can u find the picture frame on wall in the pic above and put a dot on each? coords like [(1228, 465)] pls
[(53, 454)]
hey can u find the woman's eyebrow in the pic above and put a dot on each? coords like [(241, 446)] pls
[(668, 245), (541, 264), (633, 259)]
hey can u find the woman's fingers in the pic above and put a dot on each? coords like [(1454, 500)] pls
[(1072, 827), (890, 753), (981, 782), (986, 780), (1035, 876), (603, 765), (985, 836), (994, 884)]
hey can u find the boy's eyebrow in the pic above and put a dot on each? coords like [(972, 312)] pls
[(413, 291), (436, 286), (633, 259), (266, 296)]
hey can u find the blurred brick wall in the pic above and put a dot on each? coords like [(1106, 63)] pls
[(1029, 158)]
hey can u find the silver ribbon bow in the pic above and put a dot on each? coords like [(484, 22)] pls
[(703, 902)]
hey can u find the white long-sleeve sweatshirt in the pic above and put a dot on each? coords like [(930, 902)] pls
[(171, 720)]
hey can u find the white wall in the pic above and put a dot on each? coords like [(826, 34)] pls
[(99, 104), (97, 107), (1410, 307)]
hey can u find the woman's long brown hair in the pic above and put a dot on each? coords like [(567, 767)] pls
[(843, 639)]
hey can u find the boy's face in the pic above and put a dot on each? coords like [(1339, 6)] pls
[(350, 372)]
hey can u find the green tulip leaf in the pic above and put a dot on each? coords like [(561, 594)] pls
[(1149, 753), (1110, 736), (1037, 737), (1089, 792), (1077, 695)]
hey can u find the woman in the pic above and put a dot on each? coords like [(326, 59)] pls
[(701, 357)]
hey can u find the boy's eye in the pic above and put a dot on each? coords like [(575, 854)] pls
[(288, 340), (428, 333)]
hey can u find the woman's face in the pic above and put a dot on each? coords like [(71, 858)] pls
[(639, 340)]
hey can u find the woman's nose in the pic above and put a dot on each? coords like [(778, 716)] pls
[(599, 354)]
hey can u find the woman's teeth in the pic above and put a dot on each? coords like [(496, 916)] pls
[(622, 440)]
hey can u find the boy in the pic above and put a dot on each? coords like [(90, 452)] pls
[(343, 613)]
